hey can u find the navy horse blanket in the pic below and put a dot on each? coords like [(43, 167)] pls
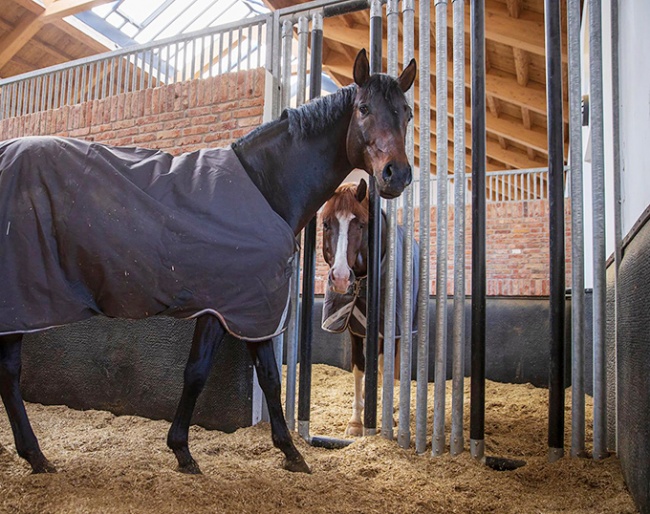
[(89, 229), (348, 311)]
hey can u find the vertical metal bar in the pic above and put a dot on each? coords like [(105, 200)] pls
[(21, 87), (374, 253), (303, 34), (150, 70), (192, 72), (309, 253), (249, 48), (440, 390), (239, 43), (202, 58), (556, 228), (50, 93), (32, 95), (457, 443), (577, 235), (259, 43), (291, 338), (618, 221), (292, 332), (406, 341), (211, 56), (598, 201), (230, 50), (479, 161), (287, 39), (392, 16), (220, 53), (422, 373)]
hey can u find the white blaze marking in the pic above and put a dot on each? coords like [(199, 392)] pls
[(341, 270)]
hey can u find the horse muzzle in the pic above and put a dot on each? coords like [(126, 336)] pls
[(393, 179), (340, 285)]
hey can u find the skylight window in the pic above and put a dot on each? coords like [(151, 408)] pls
[(132, 22)]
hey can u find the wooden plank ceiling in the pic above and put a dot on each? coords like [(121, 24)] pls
[(34, 37)]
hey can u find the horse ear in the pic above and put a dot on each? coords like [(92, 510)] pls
[(407, 77), (361, 71), (362, 189)]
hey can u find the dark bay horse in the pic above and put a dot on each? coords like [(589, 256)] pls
[(345, 249), (295, 164)]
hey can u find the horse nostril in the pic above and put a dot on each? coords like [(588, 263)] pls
[(388, 172)]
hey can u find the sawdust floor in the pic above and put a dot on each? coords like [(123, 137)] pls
[(121, 464)]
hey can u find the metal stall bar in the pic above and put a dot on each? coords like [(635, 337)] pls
[(292, 329), (556, 228), (618, 221), (406, 341), (457, 442), (479, 163), (598, 201), (440, 390), (577, 235), (309, 262), (304, 398), (392, 17), (374, 253), (422, 373)]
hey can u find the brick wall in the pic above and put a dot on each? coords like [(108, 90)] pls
[(517, 245), (176, 118)]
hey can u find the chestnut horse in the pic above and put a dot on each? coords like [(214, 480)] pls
[(345, 249), (294, 163)]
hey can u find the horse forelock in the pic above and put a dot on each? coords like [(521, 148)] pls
[(345, 200), (384, 85)]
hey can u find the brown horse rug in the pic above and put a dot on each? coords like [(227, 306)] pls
[(90, 229), (348, 310)]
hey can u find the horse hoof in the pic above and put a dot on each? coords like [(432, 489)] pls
[(297, 466), (190, 469), (355, 429), (43, 467)]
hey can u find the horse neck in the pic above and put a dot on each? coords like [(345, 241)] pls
[(295, 174)]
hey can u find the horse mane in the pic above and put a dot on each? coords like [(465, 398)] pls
[(311, 118), (316, 116), (345, 200)]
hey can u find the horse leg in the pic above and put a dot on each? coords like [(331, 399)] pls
[(355, 425), (269, 379), (26, 442), (208, 336)]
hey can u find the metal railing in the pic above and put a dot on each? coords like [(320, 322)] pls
[(501, 186), (212, 51)]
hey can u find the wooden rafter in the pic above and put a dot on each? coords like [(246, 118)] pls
[(31, 22)]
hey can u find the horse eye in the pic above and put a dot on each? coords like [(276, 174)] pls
[(326, 226), (363, 109)]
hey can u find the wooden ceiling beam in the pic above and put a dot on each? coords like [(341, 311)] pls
[(522, 65), (26, 28), (62, 8), (31, 22)]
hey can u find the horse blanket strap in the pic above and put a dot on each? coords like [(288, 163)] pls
[(91, 229), (348, 311)]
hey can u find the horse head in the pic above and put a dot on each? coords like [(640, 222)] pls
[(377, 132), (345, 235)]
